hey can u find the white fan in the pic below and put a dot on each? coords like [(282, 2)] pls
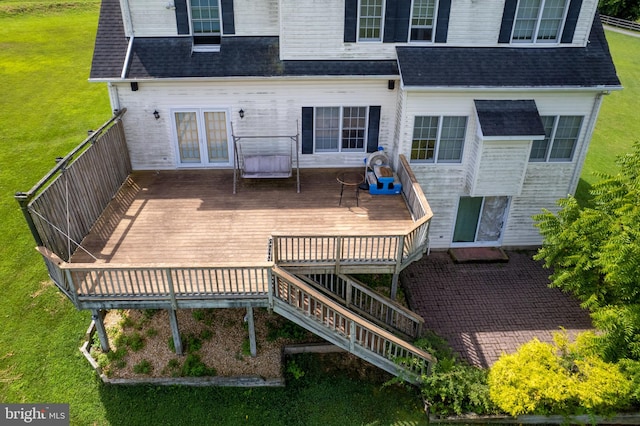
[(378, 158)]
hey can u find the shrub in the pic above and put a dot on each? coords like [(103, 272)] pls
[(453, 386), (133, 341), (143, 367), (285, 329), (194, 367), (541, 378)]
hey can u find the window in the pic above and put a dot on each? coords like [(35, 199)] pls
[(205, 22), (422, 19), (539, 21), (340, 129), (561, 135), (438, 139), (371, 13)]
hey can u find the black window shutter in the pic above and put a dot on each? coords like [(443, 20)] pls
[(307, 130), (228, 22), (442, 26), (350, 20), (182, 16), (508, 16), (572, 20), (390, 22), (373, 132)]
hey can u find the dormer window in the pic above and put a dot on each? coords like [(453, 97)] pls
[(539, 21), (206, 25), (370, 20), (423, 16)]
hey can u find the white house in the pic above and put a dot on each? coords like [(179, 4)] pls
[(494, 101)]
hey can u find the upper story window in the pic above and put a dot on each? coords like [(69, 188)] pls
[(370, 20), (340, 129), (206, 24), (438, 139), (423, 16), (539, 21), (561, 136)]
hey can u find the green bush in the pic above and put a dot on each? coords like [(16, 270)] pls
[(143, 367), (453, 386), (133, 341), (541, 378), (194, 367)]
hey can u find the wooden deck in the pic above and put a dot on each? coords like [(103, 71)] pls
[(193, 218)]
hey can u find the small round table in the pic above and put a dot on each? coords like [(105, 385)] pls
[(350, 179)]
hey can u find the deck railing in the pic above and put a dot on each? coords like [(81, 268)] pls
[(78, 189), (360, 298), (301, 302), (102, 283)]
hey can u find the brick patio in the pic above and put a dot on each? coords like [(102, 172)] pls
[(486, 309)]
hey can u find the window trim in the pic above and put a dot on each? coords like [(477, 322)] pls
[(340, 148), (552, 140), (382, 19), (534, 37), (433, 27), (436, 149), (205, 47)]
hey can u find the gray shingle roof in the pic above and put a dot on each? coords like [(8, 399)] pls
[(171, 57), (509, 118), (590, 66)]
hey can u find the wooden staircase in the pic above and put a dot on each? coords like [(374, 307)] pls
[(303, 304)]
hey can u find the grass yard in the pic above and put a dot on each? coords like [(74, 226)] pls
[(618, 125), (46, 108)]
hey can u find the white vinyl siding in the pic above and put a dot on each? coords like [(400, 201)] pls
[(423, 17), (371, 13), (561, 136), (340, 129), (539, 21), (438, 139)]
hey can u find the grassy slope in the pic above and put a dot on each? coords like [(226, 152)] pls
[(618, 125), (47, 106)]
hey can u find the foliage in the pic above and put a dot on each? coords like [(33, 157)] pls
[(194, 367), (541, 378), (133, 341), (623, 9), (285, 329), (294, 370), (453, 386), (595, 254), (143, 367)]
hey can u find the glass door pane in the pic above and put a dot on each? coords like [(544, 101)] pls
[(216, 133), (467, 219), (188, 139), (492, 219)]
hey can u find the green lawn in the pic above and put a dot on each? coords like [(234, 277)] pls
[(618, 124), (46, 108)]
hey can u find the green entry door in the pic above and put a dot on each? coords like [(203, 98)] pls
[(480, 220)]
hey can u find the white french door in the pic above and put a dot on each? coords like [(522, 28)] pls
[(480, 220), (202, 137)]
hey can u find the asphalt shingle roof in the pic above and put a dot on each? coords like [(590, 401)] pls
[(509, 118), (172, 57), (590, 66)]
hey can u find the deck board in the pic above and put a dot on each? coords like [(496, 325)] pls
[(180, 217)]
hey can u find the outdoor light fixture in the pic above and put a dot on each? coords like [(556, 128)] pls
[(241, 112), (156, 114)]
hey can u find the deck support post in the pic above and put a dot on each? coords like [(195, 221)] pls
[(252, 331), (98, 319), (394, 286), (175, 332)]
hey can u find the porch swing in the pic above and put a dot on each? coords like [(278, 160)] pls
[(265, 157)]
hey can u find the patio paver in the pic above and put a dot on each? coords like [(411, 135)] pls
[(486, 309)]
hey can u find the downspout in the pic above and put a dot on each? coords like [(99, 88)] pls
[(127, 59), (585, 146)]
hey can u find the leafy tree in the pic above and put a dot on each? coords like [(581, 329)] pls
[(595, 254), (624, 9)]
